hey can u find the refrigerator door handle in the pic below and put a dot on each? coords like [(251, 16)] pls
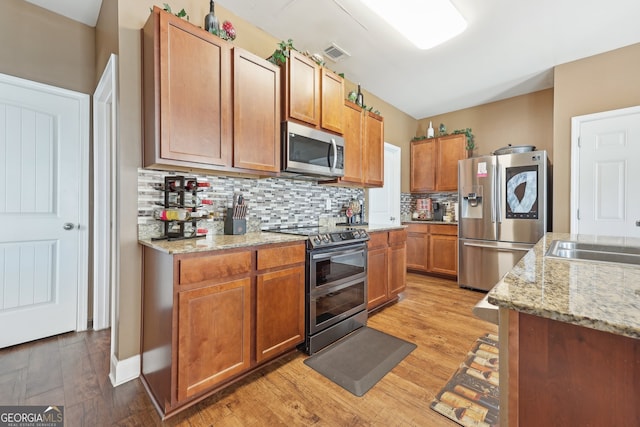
[(494, 200), (498, 200), (497, 248)]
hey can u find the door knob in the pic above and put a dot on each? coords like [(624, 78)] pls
[(638, 223), (68, 226)]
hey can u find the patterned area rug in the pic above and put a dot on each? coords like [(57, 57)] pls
[(471, 397)]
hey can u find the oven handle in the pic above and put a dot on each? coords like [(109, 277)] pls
[(325, 255)]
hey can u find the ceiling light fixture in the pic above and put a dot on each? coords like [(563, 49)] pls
[(426, 23)]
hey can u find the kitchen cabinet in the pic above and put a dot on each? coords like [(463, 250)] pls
[(256, 113), (353, 144), (280, 309), (443, 250), (312, 95), (418, 247), (373, 150), (434, 163), (560, 373), (386, 267), (364, 147), (187, 112), (211, 317), (214, 327), (433, 248), (332, 98)]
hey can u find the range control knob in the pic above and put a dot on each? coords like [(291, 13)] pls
[(315, 240)]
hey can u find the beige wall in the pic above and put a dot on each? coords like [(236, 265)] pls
[(600, 83), (106, 35), (45, 47)]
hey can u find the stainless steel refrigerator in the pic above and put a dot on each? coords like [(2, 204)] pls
[(503, 203)]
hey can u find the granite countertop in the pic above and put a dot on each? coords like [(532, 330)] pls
[(602, 296), (429, 221), (218, 242)]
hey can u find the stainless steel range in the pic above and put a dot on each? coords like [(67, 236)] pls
[(336, 283)]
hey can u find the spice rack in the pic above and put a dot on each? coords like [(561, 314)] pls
[(175, 189)]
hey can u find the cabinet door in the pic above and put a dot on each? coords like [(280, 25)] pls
[(377, 277), (373, 154), (353, 129), (332, 87), (443, 254), (417, 250), (256, 113), (423, 166), (397, 269), (195, 94), (450, 150), (279, 311), (214, 335), (303, 91)]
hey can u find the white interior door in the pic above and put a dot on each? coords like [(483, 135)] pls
[(43, 141), (606, 173), (384, 203)]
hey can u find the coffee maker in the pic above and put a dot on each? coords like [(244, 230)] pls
[(438, 211)]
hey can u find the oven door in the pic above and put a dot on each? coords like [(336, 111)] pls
[(330, 267), (330, 306)]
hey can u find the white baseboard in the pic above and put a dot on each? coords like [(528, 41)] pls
[(124, 370)]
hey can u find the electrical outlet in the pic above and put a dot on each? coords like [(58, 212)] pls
[(327, 205)]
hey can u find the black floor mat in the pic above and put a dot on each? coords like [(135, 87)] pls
[(360, 360)]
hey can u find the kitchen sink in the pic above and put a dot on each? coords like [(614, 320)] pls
[(583, 251)]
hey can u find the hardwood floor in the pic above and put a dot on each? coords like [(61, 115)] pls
[(72, 370)]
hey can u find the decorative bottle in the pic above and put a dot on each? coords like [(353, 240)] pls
[(211, 23), (359, 97), (430, 131)]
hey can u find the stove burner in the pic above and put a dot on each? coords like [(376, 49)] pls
[(326, 236)]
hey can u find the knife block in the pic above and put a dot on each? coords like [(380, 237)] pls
[(234, 226)]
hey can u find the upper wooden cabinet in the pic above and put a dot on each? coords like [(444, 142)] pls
[(313, 95), (187, 95), (434, 163), (332, 88), (373, 150), (353, 143), (364, 147), (256, 112)]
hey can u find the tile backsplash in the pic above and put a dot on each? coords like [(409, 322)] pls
[(272, 201)]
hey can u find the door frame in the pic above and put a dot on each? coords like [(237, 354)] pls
[(576, 124), (82, 315), (105, 223)]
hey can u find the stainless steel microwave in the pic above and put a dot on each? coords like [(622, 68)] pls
[(312, 152)]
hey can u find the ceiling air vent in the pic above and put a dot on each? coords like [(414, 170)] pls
[(336, 53)]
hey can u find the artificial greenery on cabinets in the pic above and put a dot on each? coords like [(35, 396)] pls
[(467, 132)]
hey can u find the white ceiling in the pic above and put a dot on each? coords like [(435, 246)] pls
[(85, 11), (509, 48)]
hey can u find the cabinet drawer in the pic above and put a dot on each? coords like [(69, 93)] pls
[(280, 256), (418, 228), (378, 239), (397, 236), (449, 230), (213, 267)]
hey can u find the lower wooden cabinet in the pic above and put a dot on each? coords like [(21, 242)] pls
[(386, 267), (280, 302), (214, 332), (211, 317), (433, 248)]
